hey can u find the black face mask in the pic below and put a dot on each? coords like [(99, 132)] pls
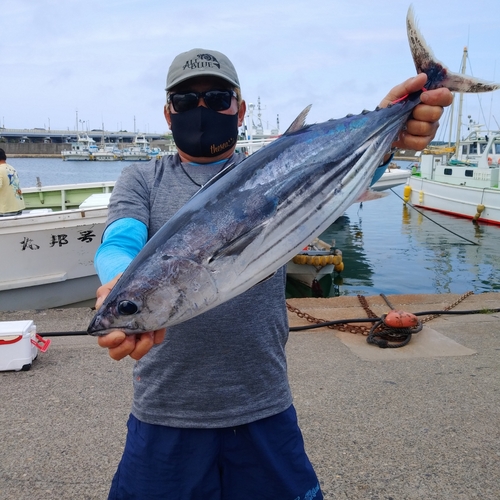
[(202, 132)]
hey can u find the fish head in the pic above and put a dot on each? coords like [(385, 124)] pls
[(154, 297)]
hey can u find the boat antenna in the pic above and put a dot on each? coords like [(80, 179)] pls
[(491, 99), (461, 102)]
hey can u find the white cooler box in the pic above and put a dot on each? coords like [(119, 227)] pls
[(19, 345)]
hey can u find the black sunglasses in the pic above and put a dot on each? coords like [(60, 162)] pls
[(218, 100)]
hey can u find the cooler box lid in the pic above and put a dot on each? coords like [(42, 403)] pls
[(16, 328)]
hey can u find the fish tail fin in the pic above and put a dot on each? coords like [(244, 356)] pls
[(438, 75)]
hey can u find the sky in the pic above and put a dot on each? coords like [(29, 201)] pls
[(96, 63)]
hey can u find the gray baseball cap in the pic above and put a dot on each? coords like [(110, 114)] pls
[(201, 62)]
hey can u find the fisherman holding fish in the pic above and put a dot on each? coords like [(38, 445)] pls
[(212, 414)]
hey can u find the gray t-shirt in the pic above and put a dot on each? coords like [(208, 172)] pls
[(226, 367)]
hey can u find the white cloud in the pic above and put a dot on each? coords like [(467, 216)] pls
[(108, 60)]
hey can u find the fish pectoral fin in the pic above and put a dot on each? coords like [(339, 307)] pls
[(299, 122), (370, 195), (265, 279), (235, 247), (267, 208)]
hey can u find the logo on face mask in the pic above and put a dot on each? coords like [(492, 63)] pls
[(202, 61), (221, 148)]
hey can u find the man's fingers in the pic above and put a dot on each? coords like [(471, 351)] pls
[(118, 344), (143, 344), (417, 142), (112, 339), (411, 85), (124, 349), (426, 113), (103, 291), (159, 336), (437, 97)]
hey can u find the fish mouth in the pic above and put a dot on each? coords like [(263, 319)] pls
[(100, 326), (97, 327)]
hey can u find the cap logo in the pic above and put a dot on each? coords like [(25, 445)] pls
[(202, 61)]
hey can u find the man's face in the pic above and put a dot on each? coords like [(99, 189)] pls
[(203, 84)]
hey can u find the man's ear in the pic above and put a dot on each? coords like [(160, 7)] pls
[(241, 113), (166, 113)]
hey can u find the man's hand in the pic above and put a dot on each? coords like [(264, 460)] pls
[(120, 345), (422, 126)]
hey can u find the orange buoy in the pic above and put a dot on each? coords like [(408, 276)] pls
[(400, 319)]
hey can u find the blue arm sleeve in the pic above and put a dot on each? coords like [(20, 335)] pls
[(380, 171), (121, 242)]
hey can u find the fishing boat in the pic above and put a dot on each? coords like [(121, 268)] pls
[(81, 150), (49, 257), (315, 261), (108, 152), (463, 185), (393, 176), (460, 180), (63, 196), (140, 150)]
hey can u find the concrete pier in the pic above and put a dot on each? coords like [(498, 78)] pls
[(419, 422)]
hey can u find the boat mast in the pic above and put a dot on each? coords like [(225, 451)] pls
[(460, 104)]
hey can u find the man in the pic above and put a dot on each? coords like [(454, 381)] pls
[(212, 415), (11, 197)]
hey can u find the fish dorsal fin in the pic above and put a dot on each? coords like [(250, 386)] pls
[(299, 122)]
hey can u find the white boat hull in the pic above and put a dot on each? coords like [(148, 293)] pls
[(136, 157), (461, 201), (306, 274), (391, 178), (76, 157), (50, 258)]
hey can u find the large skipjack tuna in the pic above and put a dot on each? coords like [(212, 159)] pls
[(255, 216)]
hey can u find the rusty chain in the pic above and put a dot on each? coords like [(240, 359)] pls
[(343, 327), (364, 330), (450, 307)]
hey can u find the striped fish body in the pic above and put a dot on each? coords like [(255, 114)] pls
[(256, 215)]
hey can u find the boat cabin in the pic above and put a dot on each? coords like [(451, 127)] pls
[(479, 143), (437, 168), (476, 164)]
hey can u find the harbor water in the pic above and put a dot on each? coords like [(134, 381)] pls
[(387, 247)]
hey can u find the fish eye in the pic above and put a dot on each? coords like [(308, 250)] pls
[(127, 307)]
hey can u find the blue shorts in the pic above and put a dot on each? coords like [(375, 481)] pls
[(261, 460)]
